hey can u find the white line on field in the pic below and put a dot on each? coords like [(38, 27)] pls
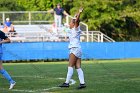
[(17, 90), (72, 82), (28, 76)]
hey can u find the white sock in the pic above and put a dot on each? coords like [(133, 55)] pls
[(69, 74), (81, 76)]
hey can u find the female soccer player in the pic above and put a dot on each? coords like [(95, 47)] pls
[(5, 39), (75, 52)]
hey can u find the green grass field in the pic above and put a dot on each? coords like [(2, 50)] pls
[(101, 76)]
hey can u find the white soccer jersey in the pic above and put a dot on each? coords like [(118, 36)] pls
[(74, 37)]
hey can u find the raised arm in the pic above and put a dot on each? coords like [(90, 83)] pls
[(77, 20)]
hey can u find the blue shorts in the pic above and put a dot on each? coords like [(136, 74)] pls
[(76, 51)]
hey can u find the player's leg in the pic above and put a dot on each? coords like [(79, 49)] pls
[(56, 20), (11, 29), (7, 76), (5, 29), (72, 61), (60, 21), (80, 74)]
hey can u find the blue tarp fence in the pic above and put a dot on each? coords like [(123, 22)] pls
[(59, 50)]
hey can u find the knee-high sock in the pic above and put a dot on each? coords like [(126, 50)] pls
[(80, 75), (6, 75), (69, 74)]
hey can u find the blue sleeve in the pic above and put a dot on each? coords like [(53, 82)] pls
[(62, 10), (4, 22)]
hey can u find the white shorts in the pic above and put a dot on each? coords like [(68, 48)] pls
[(76, 51)]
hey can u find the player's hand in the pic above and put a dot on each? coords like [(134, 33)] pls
[(81, 10)]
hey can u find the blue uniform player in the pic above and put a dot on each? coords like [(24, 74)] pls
[(75, 52), (5, 39)]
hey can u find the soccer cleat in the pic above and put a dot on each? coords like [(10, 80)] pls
[(12, 85), (81, 86), (64, 85)]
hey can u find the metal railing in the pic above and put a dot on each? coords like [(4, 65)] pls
[(91, 36), (36, 36), (97, 36), (30, 36), (27, 17), (44, 17)]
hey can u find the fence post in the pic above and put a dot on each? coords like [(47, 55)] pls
[(102, 37), (87, 33), (98, 37), (3, 17), (67, 19), (29, 14), (92, 36)]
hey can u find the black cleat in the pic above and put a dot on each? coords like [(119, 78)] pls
[(81, 86), (64, 85)]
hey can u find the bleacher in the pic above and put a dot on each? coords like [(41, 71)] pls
[(41, 33), (31, 33), (32, 28)]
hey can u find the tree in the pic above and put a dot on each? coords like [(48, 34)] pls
[(11, 5), (119, 19)]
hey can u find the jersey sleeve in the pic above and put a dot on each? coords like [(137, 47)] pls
[(2, 35), (62, 10)]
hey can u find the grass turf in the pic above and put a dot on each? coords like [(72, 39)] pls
[(101, 76)]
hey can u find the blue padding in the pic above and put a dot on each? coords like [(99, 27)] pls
[(59, 50)]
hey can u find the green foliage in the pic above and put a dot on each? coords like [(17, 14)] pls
[(38, 5), (6, 5), (120, 19)]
